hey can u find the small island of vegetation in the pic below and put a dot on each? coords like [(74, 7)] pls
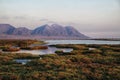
[(16, 45)]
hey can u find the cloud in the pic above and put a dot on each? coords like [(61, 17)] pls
[(16, 17), (47, 21), (19, 17), (4, 17), (44, 20)]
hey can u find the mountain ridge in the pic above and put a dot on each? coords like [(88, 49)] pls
[(54, 30)]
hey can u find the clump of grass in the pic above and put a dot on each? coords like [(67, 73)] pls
[(95, 51), (59, 52), (35, 48)]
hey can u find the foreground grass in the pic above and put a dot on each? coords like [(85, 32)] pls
[(101, 63)]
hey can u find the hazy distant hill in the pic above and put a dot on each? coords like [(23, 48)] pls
[(6, 29), (57, 30), (73, 32), (53, 30), (22, 31)]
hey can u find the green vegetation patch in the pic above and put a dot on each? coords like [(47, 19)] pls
[(101, 63)]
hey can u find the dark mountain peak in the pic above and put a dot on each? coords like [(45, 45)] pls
[(40, 30), (4, 24), (43, 27), (50, 30), (6, 28), (46, 25), (21, 31), (70, 27), (57, 26), (73, 32)]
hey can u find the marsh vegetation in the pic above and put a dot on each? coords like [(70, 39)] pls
[(16, 45), (85, 62)]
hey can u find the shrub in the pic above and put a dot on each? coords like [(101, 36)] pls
[(59, 52)]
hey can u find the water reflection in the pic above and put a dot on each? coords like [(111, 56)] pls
[(53, 42), (22, 61), (50, 50)]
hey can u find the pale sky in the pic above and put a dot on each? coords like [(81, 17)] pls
[(95, 18)]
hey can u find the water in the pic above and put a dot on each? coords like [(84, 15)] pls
[(22, 61), (51, 42), (50, 50)]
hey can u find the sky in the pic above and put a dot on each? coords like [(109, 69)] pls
[(94, 18)]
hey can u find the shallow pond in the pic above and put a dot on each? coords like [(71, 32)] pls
[(50, 50), (22, 61)]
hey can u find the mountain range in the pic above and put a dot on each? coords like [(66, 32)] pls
[(44, 31)]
